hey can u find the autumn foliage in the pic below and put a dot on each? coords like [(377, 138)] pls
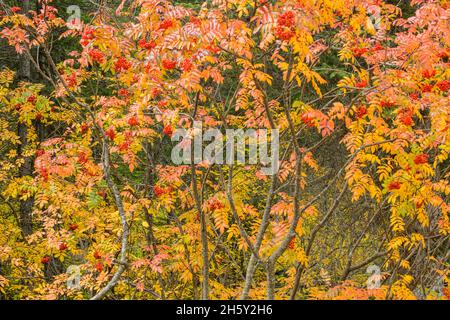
[(363, 109)]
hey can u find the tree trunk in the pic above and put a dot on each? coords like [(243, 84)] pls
[(26, 206)]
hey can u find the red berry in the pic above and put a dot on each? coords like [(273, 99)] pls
[(405, 117), (122, 65), (84, 128), (168, 64), (73, 226), (158, 191), (427, 88), (361, 84), (308, 120), (291, 244), (387, 103), (421, 159), (45, 260), (82, 158), (123, 93), (407, 120), (40, 152), (215, 205), (361, 112), (285, 26), (427, 74), (133, 121), (378, 47), (124, 146), (99, 266), (443, 85), (146, 45), (110, 133), (71, 80), (284, 33), (156, 92), (394, 185), (63, 246), (414, 96), (31, 99), (358, 52), (97, 255), (166, 24), (168, 131), (96, 55), (44, 174), (186, 65), (286, 19)]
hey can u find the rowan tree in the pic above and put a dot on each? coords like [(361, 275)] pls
[(357, 89)]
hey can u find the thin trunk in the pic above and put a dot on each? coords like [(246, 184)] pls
[(203, 229), (204, 236), (26, 206)]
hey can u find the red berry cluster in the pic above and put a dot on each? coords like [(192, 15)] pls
[(286, 26), (215, 204), (414, 96), (168, 131), (32, 99), (40, 153), (16, 9), (123, 93), (84, 128), (122, 64), (97, 255), (45, 260), (110, 133), (166, 24), (405, 116), (133, 121), (427, 88), (361, 84), (99, 266), (427, 74), (421, 159), (377, 47), (169, 64), (186, 65), (86, 37), (387, 103), (394, 185), (146, 45), (160, 191), (43, 172), (71, 80), (361, 112), (358, 52), (291, 244), (443, 85), (308, 119), (82, 158), (96, 55)]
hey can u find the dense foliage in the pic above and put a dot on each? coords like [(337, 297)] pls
[(359, 90)]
